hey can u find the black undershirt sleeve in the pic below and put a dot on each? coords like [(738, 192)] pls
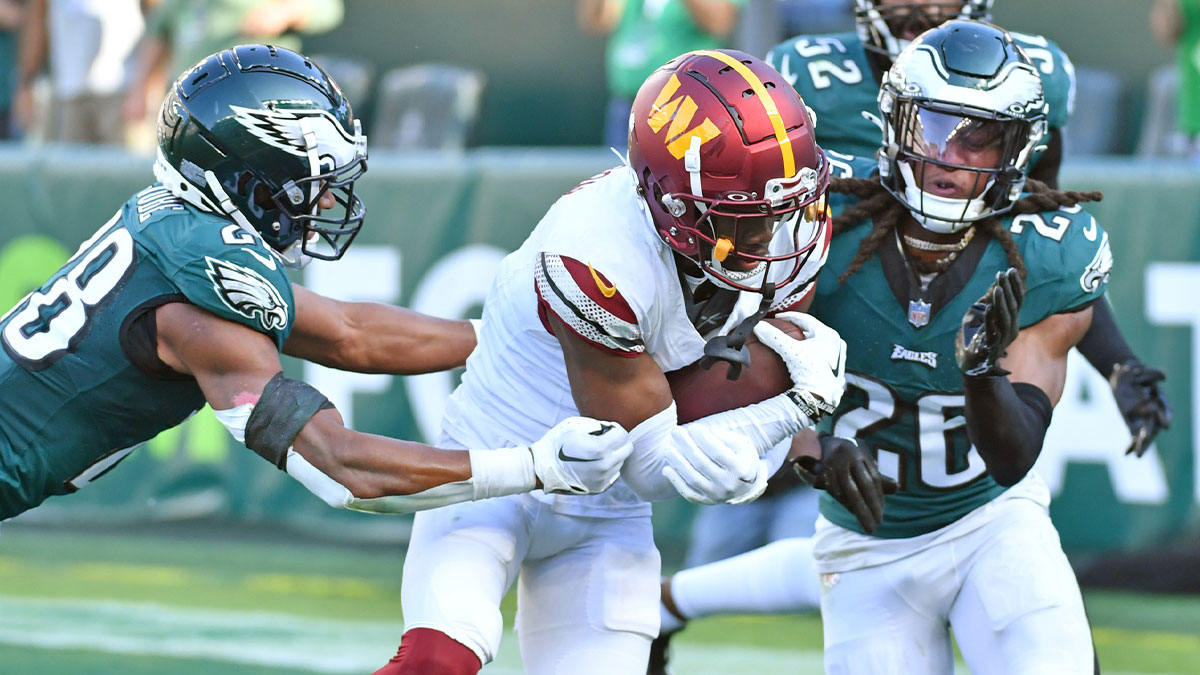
[(1007, 423), (1103, 345)]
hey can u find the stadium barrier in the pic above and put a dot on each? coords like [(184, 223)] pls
[(437, 227)]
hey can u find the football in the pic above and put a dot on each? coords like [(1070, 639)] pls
[(700, 393)]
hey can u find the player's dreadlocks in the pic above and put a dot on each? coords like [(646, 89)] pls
[(886, 212)]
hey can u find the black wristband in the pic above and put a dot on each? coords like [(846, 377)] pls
[(284, 408)]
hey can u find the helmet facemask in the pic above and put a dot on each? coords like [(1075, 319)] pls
[(733, 234), (289, 214), (324, 234), (957, 165), (886, 28)]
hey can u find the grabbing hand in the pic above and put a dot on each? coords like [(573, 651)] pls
[(580, 456), (990, 326), (849, 474), (816, 364), (1145, 409), (715, 467)]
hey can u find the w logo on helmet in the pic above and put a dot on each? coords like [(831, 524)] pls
[(679, 113)]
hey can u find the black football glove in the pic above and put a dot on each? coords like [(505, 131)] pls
[(849, 474), (990, 326), (1142, 403)]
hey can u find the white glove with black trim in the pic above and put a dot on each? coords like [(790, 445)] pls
[(816, 364), (715, 467), (580, 456)]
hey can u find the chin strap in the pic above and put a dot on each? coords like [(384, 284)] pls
[(731, 347)]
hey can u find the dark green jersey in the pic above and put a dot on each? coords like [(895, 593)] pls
[(80, 384), (834, 77), (904, 393)]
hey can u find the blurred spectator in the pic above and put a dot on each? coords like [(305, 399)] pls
[(1176, 23), (11, 13), (811, 17), (89, 43), (643, 35), (180, 33)]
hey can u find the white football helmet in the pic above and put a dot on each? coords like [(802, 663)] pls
[(963, 113)]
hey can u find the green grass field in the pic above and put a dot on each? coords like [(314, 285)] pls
[(256, 603)]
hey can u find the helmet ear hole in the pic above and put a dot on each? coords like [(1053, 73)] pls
[(262, 197)]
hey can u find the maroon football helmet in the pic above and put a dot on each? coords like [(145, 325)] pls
[(725, 158)]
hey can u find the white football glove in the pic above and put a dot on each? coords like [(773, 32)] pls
[(580, 456), (715, 467), (816, 364)]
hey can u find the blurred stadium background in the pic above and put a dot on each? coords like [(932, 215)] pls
[(194, 555)]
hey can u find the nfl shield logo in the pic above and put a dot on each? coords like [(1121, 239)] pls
[(918, 312)]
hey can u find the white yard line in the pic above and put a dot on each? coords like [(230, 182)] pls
[(297, 643)]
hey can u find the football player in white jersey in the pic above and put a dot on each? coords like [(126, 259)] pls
[(717, 218)]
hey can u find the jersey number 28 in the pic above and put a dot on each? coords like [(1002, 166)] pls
[(49, 323)]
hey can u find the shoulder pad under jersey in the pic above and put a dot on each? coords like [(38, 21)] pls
[(216, 264), (585, 301), (1068, 259)]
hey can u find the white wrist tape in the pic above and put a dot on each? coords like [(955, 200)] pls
[(766, 423), (235, 420), (336, 495), (507, 471)]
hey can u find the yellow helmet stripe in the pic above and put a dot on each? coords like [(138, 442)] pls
[(760, 89)]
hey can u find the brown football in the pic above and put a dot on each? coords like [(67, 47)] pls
[(700, 393)]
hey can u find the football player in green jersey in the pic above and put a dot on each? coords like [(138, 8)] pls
[(838, 76), (959, 296), (182, 299)]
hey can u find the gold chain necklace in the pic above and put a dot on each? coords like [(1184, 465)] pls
[(922, 245)]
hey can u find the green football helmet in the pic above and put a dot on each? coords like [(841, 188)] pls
[(887, 26), (258, 134)]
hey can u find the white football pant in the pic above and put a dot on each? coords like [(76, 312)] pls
[(588, 593), (1006, 589)]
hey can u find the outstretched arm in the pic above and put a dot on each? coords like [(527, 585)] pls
[(1135, 385), (371, 337), (1010, 397), (291, 425)]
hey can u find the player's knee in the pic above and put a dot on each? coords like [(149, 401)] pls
[(424, 651)]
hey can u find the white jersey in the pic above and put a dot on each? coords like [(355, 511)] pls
[(596, 262)]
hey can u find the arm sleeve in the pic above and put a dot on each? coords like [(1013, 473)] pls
[(766, 424), (1007, 423), (1103, 345)]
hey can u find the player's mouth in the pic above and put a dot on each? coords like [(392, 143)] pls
[(953, 185)]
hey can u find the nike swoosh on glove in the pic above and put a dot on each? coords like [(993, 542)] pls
[(580, 456)]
